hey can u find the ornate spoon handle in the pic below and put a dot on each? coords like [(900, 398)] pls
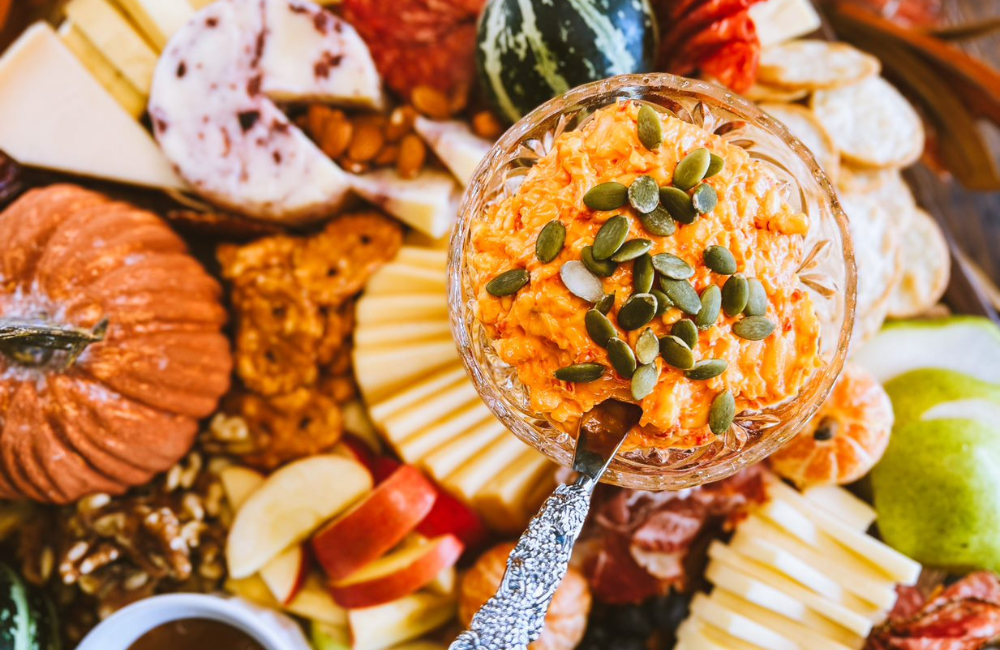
[(514, 617)]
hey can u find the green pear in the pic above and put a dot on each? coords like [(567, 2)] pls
[(922, 394), (937, 493)]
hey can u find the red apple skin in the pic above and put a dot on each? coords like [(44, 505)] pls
[(383, 467), (300, 580), (365, 533), (440, 555), (449, 516)]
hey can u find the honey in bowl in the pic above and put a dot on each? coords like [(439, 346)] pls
[(196, 634)]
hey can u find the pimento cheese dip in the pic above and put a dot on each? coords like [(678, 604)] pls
[(539, 328)]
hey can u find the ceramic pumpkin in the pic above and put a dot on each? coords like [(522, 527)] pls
[(110, 346), (844, 439)]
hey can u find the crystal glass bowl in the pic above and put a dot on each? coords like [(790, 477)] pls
[(827, 273)]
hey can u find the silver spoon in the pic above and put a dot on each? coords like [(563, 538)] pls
[(514, 617)]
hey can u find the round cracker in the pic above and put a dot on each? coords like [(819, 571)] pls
[(815, 65), (872, 123), (766, 93), (886, 186), (925, 272), (801, 123)]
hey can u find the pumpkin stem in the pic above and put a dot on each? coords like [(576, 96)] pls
[(33, 343)]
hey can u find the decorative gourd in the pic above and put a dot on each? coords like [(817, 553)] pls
[(110, 346), (526, 57), (566, 621), (27, 619), (844, 439)]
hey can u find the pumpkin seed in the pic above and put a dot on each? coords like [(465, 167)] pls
[(507, 283), (581, 282), (644, 194), (644, 380), (605, 304), (647, 346), (663, 302), (600, 329), (621, 357), (682, 295), (715, 165), (637, 311), (692, 169), (735, 293), (720, 260), (632, 249), (678, 204), (600, 268), (753, 328), (711, 304), (650, 129), (581, 373), (643, 274), (687, 331), (756, 298), (610, 237), (550, 241), (658, 222), (676, 352), (704, 199), (672, 267), (707, 369), (721, 413), (606, 196)]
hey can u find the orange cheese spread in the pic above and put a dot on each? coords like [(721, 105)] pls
[(540, 328)]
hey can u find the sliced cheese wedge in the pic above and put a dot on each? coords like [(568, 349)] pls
[(843, 505), (401, 277), (428, 202), (448, 458), (402, 308), (459, 420), (106, 74), (383, 368), (409, 421), (424, 257), (413, 331), (113, 35), (413, 393), (507, 502), (455, 144), (467, 482), (711, 613), (158, 19), (813, 639), (696, 635)]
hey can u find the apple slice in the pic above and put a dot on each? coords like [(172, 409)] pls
[(315, 603), (399, 621), (239, 483), (289, 506), (285, 574), (449, 516), (397, 574), (376, 525), (444, 583)]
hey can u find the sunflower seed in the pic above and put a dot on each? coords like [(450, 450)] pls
[(600, 268), (687, 331), (581, 373), (644, 194), (647, 346), (605, 304), (610, 237), (644, 380), (632, 249), (581, 282), (676, 352), (606, 196), (756, 298), (650, 129), (704, 199), (678, 204), (720, 260), (707, 369), (721, 413), (621, 357), (600, 329), (643, 274), (691, 169), (672, 267), (682, 295), (753, 328), (658, 222), (715, 165), (735, 293), (507, 283), (711, 303), (550, 241), (663, 302), (637, 311)]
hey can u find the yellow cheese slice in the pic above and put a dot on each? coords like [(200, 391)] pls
[(805, 637), (384, 368), (412, 331), (506, 501), (425, 257), (403, 278), (428, 202), (487, 464), (840, 503), (106, 74), (158, 19), (448, 458), (407, 422), (393, 309), (710, 612), (420, 389), (112, 34), (455, 420)]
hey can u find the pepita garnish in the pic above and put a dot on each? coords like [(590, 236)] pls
[(605, 304), (550, 241), (735, 293), (644, 194), (722, 413), (704, 199), (707, 369), (637, 311), (686, 330), (649, 127), (711, 304), (676, 353), (647, 346), (715, 165), (644, 380), (507, 283), (753, 328), (720, 260), (643, 274), (610, 237), (600, 268), (682, 295), (757, 298), (600, 329), (581, 282), (581, 373), (658, 222), (621, 357), (678, 204), (606, 196), (691, 169), (632, 249), (663, 302), (671, 266)]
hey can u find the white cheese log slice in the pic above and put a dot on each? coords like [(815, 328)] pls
[(158, 19), (311, 54), (227, 139), (455, 144), (76, 127), (428, 202), (106, 74), (112, 34)]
